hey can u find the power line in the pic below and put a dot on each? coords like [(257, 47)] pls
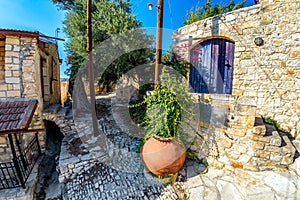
[(134, 5), (171, 17)]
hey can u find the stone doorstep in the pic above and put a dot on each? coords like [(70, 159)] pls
[(53, 109)]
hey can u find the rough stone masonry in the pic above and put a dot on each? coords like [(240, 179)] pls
[(270, 72)]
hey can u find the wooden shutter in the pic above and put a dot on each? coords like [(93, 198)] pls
[(212, 67)]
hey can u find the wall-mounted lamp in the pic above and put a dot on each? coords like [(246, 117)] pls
[(151, 5), (258, 41)]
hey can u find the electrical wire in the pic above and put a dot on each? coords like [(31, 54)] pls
[(171, 17), (134, 5)]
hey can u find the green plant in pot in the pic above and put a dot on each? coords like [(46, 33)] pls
[(169, 109)]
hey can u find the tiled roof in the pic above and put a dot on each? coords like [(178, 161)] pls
[(16, 114), (34, 34), (4, 31)]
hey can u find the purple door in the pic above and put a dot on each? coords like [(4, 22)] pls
[(212, 67)]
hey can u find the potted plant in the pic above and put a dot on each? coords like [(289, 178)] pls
[(169, 109)]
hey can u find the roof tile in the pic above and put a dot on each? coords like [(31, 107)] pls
[(16, 114)]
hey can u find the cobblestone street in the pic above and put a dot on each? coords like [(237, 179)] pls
[(85, 172), (122, 175)]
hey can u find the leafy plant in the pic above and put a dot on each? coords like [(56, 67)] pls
[(269, 120), (180, 65), (168, 107), (138, 113), (207, 10)]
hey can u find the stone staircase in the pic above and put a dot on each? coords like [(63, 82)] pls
[(256, 148)]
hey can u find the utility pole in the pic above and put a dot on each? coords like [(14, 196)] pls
[(159, 27), (91, 67)]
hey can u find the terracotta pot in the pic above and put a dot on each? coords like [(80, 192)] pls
[(163, 156)]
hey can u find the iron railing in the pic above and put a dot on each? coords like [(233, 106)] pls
[(8, 176), (15, 174)]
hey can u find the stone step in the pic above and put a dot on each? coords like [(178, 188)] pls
[(54, 108), (63, 111), (69, 114)]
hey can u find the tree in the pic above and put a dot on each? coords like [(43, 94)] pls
[(108, 18), (64, 4), (207, 10)]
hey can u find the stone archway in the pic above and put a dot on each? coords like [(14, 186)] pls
[(62, 117), (47, 172), (58, 124)]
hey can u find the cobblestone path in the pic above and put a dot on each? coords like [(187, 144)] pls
[(120, 175)]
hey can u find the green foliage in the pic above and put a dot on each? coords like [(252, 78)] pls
[(64, 4), (269, 120), (166, 106), (180, 65), (207, 10), (108, 18)]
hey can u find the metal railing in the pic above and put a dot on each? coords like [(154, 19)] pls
[(15, 174), (8, 176)]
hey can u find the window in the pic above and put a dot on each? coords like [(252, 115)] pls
[(212, 66)]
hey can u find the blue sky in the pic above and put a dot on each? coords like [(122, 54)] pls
[(43, 16)]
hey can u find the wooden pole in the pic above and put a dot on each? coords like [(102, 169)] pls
[(91, 67), (158, 40)]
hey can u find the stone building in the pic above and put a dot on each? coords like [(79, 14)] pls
[(250, 52), (29, 68), (64, 82)]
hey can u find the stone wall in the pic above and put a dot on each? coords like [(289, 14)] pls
[(235, 137), (54, 90), (270, 72), (11, 86), (22, 65), (64, 84), (30, 86), (2, 58), (20, 60), (5, 152)]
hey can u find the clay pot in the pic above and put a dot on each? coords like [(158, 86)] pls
[(163, 156)]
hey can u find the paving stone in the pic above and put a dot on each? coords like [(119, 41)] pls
[(282, 185), (122, 176)]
